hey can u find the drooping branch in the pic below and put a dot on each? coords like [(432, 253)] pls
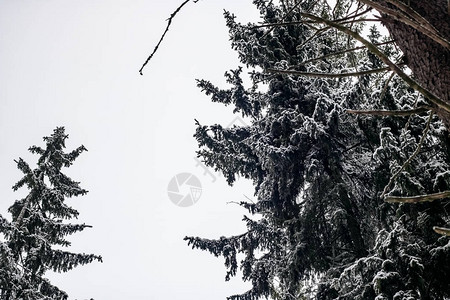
[(383, 57), (169, 22), (395, 113), (406, 163), (328, 75), (416, 199)]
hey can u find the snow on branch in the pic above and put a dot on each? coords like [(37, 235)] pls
[(328, 75)]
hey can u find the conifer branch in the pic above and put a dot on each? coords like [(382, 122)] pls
[(372, 48), (169, 22), (328, 75), (416, 199), (399, 113), (442, 230), (406, 163)]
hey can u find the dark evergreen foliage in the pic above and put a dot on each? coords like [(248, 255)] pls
[(319, 228), (34, 239)]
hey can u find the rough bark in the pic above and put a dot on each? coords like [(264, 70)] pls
[(428, 60)]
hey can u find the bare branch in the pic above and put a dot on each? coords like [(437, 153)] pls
[(413, 14), (351, 16), (406, 163), (342, 52), (309, 22), (328, 75), (395, 113), (416, 199), (169, 22), (442, 230)]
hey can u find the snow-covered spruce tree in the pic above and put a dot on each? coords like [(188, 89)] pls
[(322, 230), (34, 239)]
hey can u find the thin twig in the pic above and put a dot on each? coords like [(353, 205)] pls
[(169, 22), (395, 113), (328, 75), (406, 163), (416, 199)]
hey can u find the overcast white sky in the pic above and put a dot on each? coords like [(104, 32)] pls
[(75, 63)]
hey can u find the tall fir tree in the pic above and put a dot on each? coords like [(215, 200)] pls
[(35, 238), (323, 229)]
